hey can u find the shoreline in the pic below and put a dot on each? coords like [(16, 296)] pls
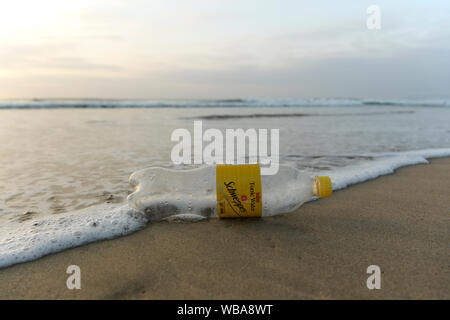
[(43, 235), (322, 250)]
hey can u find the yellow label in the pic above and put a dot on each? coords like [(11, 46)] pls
[(238, 190)]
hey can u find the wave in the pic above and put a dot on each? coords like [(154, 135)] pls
[(288, 115), (382, 165), (111, 103), (40, 236), (35, 238)]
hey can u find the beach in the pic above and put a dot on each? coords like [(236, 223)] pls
[(399, 222), (116, 118)]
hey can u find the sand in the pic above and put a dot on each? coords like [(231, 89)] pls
[(399, 222)]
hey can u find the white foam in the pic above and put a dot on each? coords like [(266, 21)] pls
[(32, 239), (252, 102), (382, 165)]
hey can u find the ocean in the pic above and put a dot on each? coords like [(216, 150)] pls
[(65, 164)]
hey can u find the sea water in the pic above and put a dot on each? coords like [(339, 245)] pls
[(64, 169)]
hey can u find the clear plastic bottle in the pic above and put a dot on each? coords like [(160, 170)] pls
[(162, 193)]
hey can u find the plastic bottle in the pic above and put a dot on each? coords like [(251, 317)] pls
[(161, 193)]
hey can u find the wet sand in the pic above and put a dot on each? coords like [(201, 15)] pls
[(399, 222)]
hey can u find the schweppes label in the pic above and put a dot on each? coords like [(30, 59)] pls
[(238, 190)]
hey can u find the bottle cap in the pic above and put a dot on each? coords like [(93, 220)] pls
[(322, 186)]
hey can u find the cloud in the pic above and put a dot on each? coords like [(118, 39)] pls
[(214, 50), (75, 63), (49, 56), (417, 71)]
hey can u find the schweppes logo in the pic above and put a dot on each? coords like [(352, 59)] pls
[(233, 197), (238, 191)]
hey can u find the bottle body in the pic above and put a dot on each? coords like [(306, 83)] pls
[(161, 193)]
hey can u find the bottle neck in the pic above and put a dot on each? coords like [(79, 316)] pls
[(316, 188)]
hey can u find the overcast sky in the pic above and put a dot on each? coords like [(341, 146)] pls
[(223, 49)]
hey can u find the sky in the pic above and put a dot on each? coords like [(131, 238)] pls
[(210, 49)]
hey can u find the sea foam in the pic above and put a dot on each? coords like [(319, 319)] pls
[(382, 165), (34, 238)]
